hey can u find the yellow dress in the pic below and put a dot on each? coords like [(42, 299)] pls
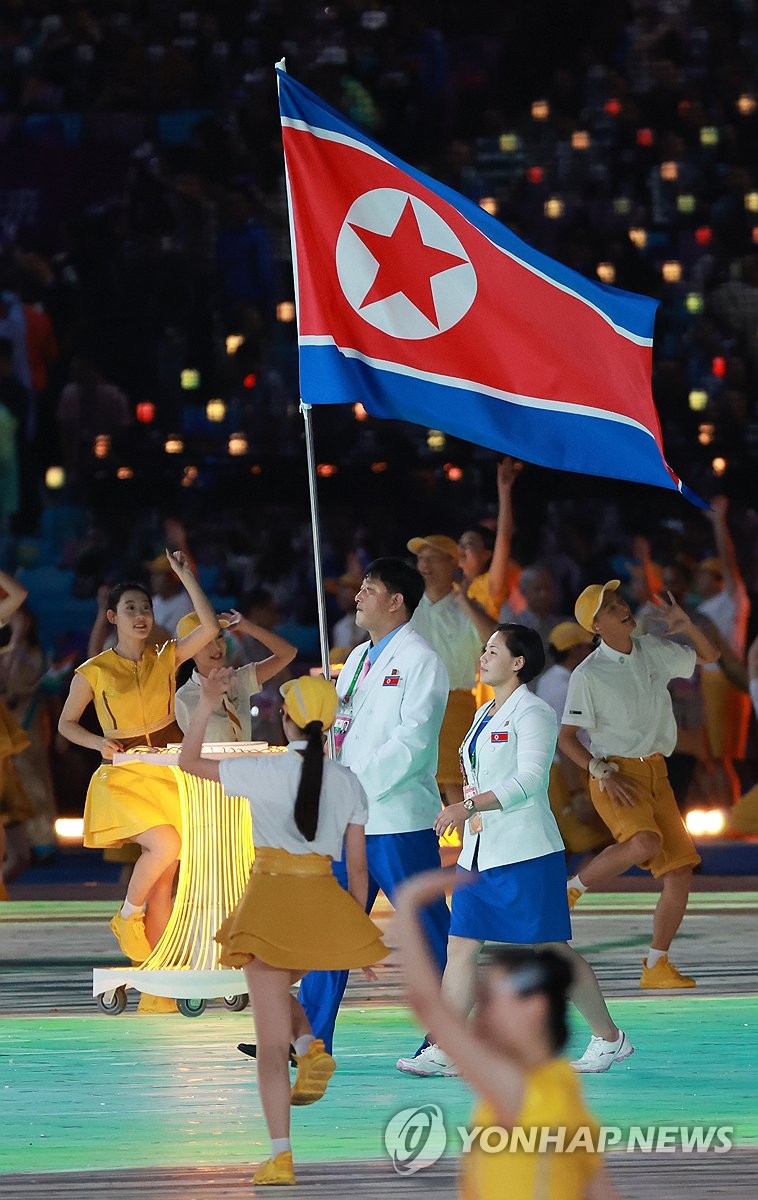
[(553, 1100), (134, 702)]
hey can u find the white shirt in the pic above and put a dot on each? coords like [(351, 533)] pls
[(452, 634), (169, 612), (220, 728), (729, 613), (269, 783), (552, 687), (623, 700)]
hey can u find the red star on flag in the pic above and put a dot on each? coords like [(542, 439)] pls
[(406, 263)]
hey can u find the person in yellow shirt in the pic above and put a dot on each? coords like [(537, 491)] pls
[(510, 1055), (133, 686), (489, 574)]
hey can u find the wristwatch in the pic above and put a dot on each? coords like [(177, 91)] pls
[(469, 805)]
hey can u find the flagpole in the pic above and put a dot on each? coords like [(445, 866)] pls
[(323, 627)]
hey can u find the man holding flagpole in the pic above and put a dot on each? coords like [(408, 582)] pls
[(393, 692)]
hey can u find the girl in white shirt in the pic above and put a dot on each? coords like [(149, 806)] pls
[(294, 916)]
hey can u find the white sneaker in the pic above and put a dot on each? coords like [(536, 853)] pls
[(431, 1061), (601, 1055)]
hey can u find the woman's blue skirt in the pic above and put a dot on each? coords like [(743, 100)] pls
[(523, 903)]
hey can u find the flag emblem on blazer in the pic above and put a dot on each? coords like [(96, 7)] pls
[(500, 736), (391, 680), (414, 301)]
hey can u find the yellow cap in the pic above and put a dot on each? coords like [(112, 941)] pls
[(711, 564), (435, 541), (310, 698), (192, 622), (568, 634), (588, 604), (160, 563), (333, 585)]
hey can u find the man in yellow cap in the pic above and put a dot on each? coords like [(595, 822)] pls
[(457, 629), (619, 696)]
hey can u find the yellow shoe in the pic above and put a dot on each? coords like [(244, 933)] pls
[(156, 1004), (129, 932), (664, 975), (574, 896), (275, 1171), (3, 891), (314, 1070)]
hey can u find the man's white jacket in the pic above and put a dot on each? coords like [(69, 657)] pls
[(392, 742)]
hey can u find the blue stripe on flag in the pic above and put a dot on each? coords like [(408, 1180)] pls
[(548, 437)]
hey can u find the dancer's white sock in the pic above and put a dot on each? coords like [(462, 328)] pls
[(654, 956), (575, 882), (280, 1146), (302, 1043), (128, 910)]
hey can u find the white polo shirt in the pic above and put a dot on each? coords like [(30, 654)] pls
[(552, 687), (451, 633), (622, 700), (729, 612)]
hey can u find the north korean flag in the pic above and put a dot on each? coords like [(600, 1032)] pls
[(420, 305)]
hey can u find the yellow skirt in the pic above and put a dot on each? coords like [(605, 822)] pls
[(456, 723), (124, 801), (294, 915)]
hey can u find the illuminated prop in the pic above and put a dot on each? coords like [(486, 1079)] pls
[(217, 854)]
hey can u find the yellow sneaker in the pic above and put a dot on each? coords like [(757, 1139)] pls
[(664, 975), (129, 932), (314, 1070), (156, 1004), (574, 896), (275, 1171)]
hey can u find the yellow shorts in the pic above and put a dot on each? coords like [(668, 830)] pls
[(656, 811), (455, 725)]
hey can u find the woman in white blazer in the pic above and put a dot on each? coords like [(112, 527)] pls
[(511, 869)]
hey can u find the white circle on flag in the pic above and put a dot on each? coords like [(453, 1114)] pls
[(453, 289)]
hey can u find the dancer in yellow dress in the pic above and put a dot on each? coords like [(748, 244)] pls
[(133, 686), (294, 916), (510, 1056)]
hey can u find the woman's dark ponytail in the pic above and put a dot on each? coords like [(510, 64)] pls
[(309, 788)]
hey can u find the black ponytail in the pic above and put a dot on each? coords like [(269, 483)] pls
[(309, 788)]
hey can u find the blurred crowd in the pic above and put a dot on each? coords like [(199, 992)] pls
[(148, 360)]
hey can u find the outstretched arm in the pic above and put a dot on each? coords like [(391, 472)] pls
[(208, 628), (282, 651), (191, 760), (15, 594), (724, 545), (507, 474)]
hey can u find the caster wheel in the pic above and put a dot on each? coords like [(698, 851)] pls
[(191, 1008), (112, 1003), (236, 1003)]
